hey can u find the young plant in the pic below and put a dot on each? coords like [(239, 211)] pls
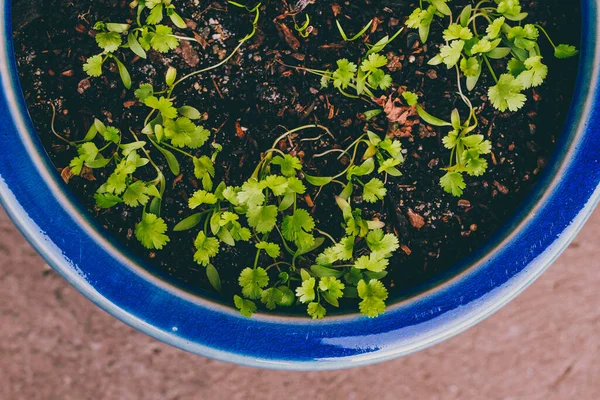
[(421, 18), (150, 34), (168, 129), (265, 210), (363, 78), (305, 29), (466, 148), (471, 45)]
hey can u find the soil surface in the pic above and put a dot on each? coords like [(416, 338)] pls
[(253, 99)]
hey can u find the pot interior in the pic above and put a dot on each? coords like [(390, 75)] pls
[(441, 236)]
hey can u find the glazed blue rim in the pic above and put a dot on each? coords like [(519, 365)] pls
[(57, 227)]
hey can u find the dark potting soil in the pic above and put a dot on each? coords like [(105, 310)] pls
[(251, 101)]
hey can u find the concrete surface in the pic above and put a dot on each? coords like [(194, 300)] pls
[(54, 344)]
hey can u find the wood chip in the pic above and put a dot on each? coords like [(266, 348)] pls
[(406, 249), (66, 174), (289, 37), (415, 219), (464, 203), (238, 130)]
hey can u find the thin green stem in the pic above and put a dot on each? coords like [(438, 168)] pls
[(185, 153), (546, 34), (487, 62)]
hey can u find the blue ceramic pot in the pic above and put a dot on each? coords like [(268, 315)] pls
[(61, 231)]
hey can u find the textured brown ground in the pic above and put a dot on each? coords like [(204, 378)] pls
[(54, 344)]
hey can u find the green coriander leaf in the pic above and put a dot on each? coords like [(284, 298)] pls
[(108, 41), (247, 307), (150, 4), (451, 140), (184, 133), (277, 184), (470, 66), (453, 183), (494, 29), (298, 228), (107, 200), (524, 37), (231, 195), (565, 51), (393, 148), (272, 249), (515, 67), (373, 295), (451, 54), (345, 248), (374, 191), (380, 79), (484, 46), (253, 281), (414, 19), (201, 197), (384, 244), (138, 193), (373, 262), (162, 104), (507, 94), (252, 193), (474, 165), (343, 75), (150, 232), (144, 91), (535, 73), (116, 182), (241, 233), (289, 164), (204, 169), (156, 15), (228, 217), (509, 7), (93, 65), (87, 151), (262, 218), (316, 310), (295, 186), (199, 137), (112, 134), (333, 286), (206, 248), (373, 63), (163, 39), (456, 31), (389, 167), (306, 292), (271, 297), (328, 256)]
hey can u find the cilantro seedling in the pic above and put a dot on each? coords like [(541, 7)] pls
[(471, 46), (466, 148), (362, 78)]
